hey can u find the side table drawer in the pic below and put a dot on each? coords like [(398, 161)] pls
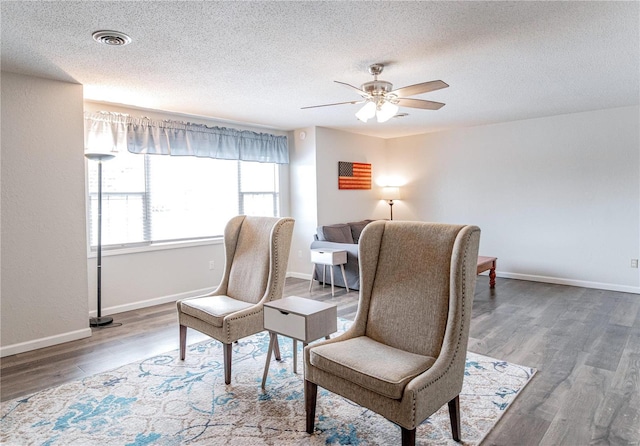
[(288, 324), (328, 257)]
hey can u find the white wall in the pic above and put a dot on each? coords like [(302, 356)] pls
[(43, 248), (315, 197), (557, 198), (341, 206), (132, 280), (303, 198)]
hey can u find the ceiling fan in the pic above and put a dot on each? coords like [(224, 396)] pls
[(382, 101)]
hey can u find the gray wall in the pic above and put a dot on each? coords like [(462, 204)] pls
[(557, 198), (43, 246)]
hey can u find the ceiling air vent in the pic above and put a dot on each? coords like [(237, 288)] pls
[(111, 38)]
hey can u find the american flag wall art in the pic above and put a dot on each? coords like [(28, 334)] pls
[(354, 175)]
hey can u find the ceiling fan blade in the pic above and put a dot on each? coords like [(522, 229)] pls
[(362, 93), (419, 103), (329, 105), (424, 87)]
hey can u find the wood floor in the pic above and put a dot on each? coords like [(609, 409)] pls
[(585, 344)]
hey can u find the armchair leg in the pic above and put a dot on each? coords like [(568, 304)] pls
[(226, 353), (454, 415), (183, 341), (310, 397), (408, 436)]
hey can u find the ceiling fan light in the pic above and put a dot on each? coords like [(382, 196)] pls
[(367, 112), (387, 111)]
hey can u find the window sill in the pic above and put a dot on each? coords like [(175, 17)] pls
[(156, 247)]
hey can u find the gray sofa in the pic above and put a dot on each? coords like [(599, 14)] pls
[(343, 236)]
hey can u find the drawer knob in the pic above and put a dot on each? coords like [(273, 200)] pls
[(284, 312)]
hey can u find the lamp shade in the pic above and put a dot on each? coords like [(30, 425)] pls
[(390, 193), (99, 156), (367, 112), (386, 112)]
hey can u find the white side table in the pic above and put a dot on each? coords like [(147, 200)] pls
[(328, 257), (300, 319)]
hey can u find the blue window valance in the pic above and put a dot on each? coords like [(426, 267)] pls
[(107, 131)]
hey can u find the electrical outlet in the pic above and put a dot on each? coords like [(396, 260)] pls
[(299, 254), (634, 263), (212, 264)]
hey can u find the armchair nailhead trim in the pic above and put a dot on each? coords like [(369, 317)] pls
[(238, 318)]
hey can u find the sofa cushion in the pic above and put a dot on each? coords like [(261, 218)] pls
[(356, 229), (340, 233)]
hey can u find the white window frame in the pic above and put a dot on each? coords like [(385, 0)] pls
[(150, 246)]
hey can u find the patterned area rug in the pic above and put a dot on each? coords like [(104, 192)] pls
[(165, 401)]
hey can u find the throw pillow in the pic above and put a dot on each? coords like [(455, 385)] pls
[(356, 229), (340, 233)]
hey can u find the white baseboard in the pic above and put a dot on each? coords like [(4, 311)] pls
[(151, 302), (299, 275), (533, 278), (48, 341), (570, 282), (170, 298)]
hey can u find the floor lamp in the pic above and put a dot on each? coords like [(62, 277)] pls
[(100, 320), (390, 193)]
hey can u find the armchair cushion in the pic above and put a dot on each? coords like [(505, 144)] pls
[(212, 309), (370, 364)]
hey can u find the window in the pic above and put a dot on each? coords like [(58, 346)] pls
[(258, 188), (158, 198)]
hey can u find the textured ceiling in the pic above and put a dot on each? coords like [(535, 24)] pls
[(260, 62)]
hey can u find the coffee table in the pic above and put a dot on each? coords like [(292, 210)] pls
[(488, 263)]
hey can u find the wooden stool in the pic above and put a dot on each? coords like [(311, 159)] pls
[(488, 263)]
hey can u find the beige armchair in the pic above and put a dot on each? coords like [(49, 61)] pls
[(256, 255), (404, 356)]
